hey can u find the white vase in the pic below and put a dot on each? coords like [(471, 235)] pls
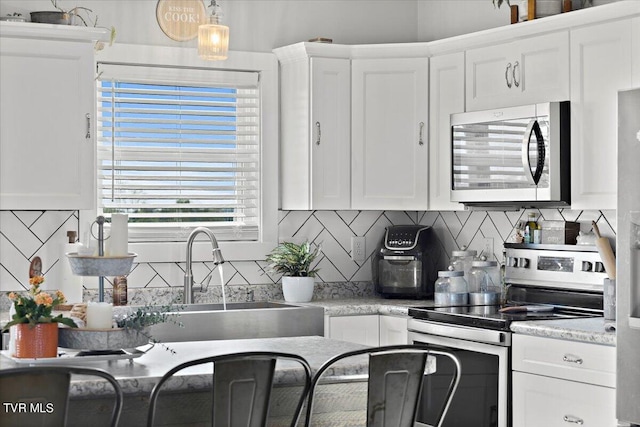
[(297, 289)]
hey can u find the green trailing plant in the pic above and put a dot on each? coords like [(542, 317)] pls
[(293, 260), (148, 315)]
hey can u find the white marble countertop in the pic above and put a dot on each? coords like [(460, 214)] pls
[(362, 306), (590, 330), (586, 330)]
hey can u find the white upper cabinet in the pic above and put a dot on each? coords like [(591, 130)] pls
[(525, 71), (315, 172), (635, 52), (446, 97), (600, 67), (390, 153), (47, 112)]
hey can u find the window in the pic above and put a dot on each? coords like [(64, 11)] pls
[(179, 148)]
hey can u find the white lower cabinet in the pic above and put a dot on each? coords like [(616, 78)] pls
[(393, 330), (369, 329), (544, 401), (562, 383), (356, 329)]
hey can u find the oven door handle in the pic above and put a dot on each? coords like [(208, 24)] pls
[(460, 332)]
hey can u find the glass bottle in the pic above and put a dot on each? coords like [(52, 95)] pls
[(461, 260), (485, 285), (534, 229), (451, 289), (120, 290)]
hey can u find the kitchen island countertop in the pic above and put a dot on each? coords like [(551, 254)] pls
[(139, 376)]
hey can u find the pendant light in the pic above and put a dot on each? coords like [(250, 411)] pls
[(213, 38)]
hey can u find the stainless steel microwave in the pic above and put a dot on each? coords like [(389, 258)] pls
[(516, 156)]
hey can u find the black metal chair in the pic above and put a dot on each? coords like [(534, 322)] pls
[(39, 395), (242, 386), (394, 383)]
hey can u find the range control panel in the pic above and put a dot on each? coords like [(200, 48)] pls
[(579, 270)]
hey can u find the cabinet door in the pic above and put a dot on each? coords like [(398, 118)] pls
[(446, 97), (393, 330), (330, 133), (390, 157), (46, 140), (357, 329), (635, 51), (528, 71), (600, 67), (550, 402)]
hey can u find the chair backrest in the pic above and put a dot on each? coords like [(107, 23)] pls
[(39, 395), (242, 385), (395, 377)]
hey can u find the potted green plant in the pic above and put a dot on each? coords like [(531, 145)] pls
[(294, 262)]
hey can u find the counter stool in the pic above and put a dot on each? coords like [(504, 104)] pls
[(242, 386), (39, 395), (394, 383)]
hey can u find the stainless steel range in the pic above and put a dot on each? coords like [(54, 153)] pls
[(543, 282)]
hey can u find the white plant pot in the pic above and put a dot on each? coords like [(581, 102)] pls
[(297, 289)]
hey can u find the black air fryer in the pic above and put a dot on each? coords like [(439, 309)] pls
[(407, 261)]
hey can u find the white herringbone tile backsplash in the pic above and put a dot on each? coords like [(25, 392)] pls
[(25, 234)]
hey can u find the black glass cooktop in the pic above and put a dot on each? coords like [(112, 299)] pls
[(490, 316)]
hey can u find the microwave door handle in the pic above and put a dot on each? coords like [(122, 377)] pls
[(533, 128)]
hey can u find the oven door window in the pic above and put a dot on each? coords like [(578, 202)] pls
[(475, 402)]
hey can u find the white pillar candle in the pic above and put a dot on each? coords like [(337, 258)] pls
[(119, 237), (99, 315)]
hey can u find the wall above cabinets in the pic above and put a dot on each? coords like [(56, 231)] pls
[(401, 97)]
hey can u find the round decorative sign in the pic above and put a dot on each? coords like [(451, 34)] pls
[(180, 19)]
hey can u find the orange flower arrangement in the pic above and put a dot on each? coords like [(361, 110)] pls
[(36, 306)]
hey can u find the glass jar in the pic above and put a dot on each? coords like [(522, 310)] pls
[(451, 289), (485, 284), (461, 260)]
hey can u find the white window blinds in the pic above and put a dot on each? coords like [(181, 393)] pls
[(179, 148)]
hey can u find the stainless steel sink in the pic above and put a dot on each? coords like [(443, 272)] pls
[(236, 306), (201, 322)]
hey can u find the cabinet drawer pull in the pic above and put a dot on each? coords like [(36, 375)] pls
[(573, 420), (88, 134), (516, 82), (318, 134), (421, 133), (506, 75), (572, 359)]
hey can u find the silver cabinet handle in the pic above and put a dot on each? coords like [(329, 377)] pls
[(420, 134), (573, 420), (506, 75), (88, 134), (318, 133), (572, 359), (516, 82)]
